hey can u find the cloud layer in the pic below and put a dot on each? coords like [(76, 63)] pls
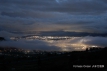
[(53, 15)]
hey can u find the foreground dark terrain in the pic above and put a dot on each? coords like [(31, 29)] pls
[(12, 59)]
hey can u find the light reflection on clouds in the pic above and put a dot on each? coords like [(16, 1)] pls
[(71, 44), (76, 43)]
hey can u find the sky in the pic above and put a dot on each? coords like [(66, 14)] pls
[(19, 17), (53, 15)]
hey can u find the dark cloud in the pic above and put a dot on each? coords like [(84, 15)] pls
[(52, 15), (70, 6), (6, 34)]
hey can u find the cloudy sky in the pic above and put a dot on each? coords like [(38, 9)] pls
[(53, 15), (20, 16)]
